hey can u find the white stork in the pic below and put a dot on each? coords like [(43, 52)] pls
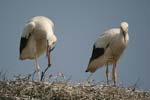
[(37, 37), (107, 50)]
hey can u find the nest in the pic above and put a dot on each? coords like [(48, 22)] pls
[(62, 89)]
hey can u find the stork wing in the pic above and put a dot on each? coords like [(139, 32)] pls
[(107, 38), (103, 42), (97, 52), (28, 30)]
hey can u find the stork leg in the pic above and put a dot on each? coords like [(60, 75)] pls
[(48, 55), (114, 73), (37, 68), (49, 63), (107, 73)]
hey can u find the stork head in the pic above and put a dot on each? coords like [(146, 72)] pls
[(53, 42), (124, 27)]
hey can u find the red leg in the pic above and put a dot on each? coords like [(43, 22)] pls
[(48, 55), (37, 68), (114, 73), (107, 73)]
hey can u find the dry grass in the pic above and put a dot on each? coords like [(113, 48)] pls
[(59, 88)]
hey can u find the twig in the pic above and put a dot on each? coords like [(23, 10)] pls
[(135, 85), (89, 76), (43, 73), (33, 75)]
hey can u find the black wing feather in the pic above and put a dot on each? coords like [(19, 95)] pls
[(23, 43), (97, 52)]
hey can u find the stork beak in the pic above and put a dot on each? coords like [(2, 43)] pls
[(86, 71), (52, 47)]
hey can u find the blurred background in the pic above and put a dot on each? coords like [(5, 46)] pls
[(78, 23)]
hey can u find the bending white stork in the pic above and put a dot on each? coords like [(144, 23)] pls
[(107, 50), (37, 37)]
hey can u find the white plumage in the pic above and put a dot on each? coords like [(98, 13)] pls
[(108, 48), (37, 37)]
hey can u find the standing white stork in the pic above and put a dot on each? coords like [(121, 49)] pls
[(107, 50), (37, 37)]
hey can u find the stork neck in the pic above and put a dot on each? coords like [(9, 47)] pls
[(123, 33)]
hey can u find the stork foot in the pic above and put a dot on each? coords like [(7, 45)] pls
[(115, 83), (107, 82)]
